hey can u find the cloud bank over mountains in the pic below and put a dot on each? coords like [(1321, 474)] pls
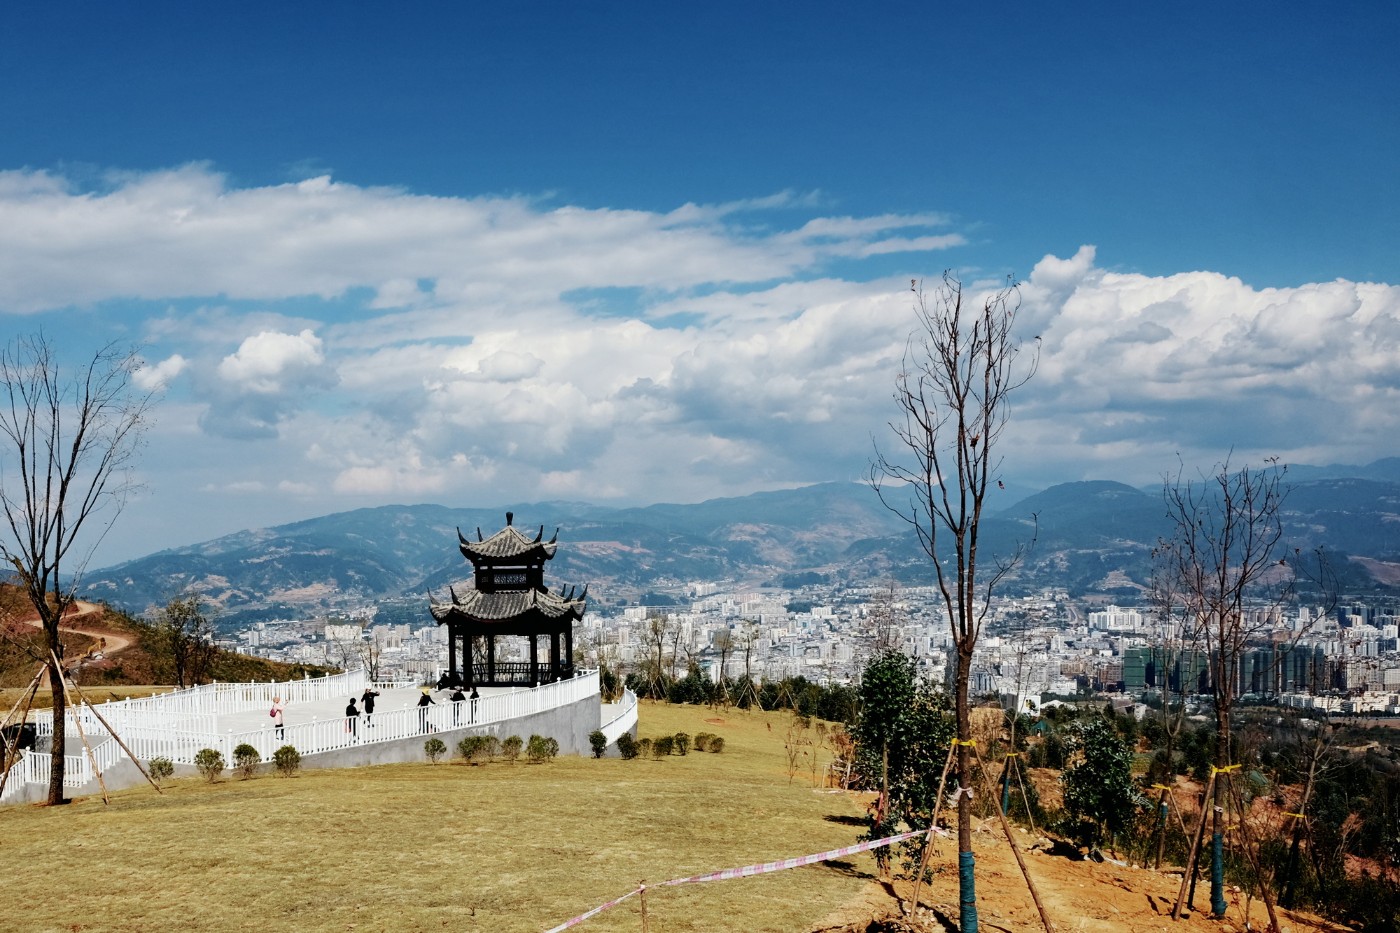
[(324, 346)]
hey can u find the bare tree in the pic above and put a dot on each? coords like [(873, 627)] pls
[(184, 635), (1226, 562), (960, 368), (68, 441)]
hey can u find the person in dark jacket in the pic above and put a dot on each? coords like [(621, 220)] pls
[(424, 702), (367, 702), (352, 719)]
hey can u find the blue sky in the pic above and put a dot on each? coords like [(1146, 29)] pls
[(625, 252)]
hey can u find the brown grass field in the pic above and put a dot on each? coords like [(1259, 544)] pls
[(422, 847)]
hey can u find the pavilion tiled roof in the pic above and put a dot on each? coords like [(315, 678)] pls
[(507, 543), (510, 604)]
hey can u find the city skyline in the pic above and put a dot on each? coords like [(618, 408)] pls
[(471, 255)]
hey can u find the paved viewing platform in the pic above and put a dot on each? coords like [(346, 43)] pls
[(179, 724)]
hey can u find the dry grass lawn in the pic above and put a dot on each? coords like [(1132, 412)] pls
[(404, 848)]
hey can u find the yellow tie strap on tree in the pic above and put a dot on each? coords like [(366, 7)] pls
[(1160, 787), (1296, 816), (1225, 770), (969, 742), (1012, 755)]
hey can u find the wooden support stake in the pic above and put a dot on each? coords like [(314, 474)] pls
[(933, 824), (28, 704), (642, 894), (1025, 872), (1025, 798), (1195, 849), (113, 732), (78, 721), (1253, 857)]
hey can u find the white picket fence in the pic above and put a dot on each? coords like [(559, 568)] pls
[(177, 725), (625, 718)]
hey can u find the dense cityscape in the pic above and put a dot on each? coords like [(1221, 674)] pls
[(1036, 649)]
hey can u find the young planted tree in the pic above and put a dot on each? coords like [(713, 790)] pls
[(1098, 784), (1226, 563), (184, 637), (67, 438), (960, 368)]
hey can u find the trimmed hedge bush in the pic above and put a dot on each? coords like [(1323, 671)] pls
[(434, 748), (599, 742), (627, 746), (246, 760), (287, 760), (160, 769), (510, 748), (680, 743), (210, 763)]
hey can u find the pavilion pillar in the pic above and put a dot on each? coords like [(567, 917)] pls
[(555, 664), (534, 659), (490, 658), (569, 647), (468, 662), (452, 652)]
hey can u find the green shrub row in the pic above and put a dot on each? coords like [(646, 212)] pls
[(678, 744), (210, 763), (479, 749)]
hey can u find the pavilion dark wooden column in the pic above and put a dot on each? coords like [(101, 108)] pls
[(556, 670), (468, 662), (534, 659)]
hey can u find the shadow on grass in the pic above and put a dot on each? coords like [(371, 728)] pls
[(842, 867), (846, 820)]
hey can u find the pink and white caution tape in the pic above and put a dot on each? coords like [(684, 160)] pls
[(763, 868)]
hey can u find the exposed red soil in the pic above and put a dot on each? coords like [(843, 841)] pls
[(1080, 896)]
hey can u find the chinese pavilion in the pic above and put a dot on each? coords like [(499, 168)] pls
[(509, 598)]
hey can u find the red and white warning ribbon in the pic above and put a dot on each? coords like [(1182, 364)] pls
[(762, 868)]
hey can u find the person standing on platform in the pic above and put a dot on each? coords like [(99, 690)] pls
[(278, 708), (456, 698), (367, 702), (475, 696), (424, 702), (352, 719)]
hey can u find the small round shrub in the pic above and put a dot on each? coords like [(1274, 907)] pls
[(510, 748), (680, 743), (644, 748), (627, 746), (210, 763), (434, 749), (716, 744), (473, 748), (551, 747), (287, 760), (490, 746), (598, 741), (537, 749), (246, 760), (661, 747), (160, 769), (702, 741)]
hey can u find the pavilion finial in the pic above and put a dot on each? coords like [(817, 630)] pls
[(510, 517)]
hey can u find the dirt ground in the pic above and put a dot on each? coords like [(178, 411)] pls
[(1079, 897)]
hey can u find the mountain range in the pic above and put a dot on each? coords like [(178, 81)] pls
[(1091, 536)]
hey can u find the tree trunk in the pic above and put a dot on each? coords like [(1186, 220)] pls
[(967, 882), (56, 761), (1218, 804)]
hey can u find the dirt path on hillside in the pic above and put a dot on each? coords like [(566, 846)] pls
[(1080, 896), (109, 641)]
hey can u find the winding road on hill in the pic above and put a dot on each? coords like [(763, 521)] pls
[(109, 642)]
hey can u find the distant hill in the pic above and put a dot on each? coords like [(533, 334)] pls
[(1092, 536)]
